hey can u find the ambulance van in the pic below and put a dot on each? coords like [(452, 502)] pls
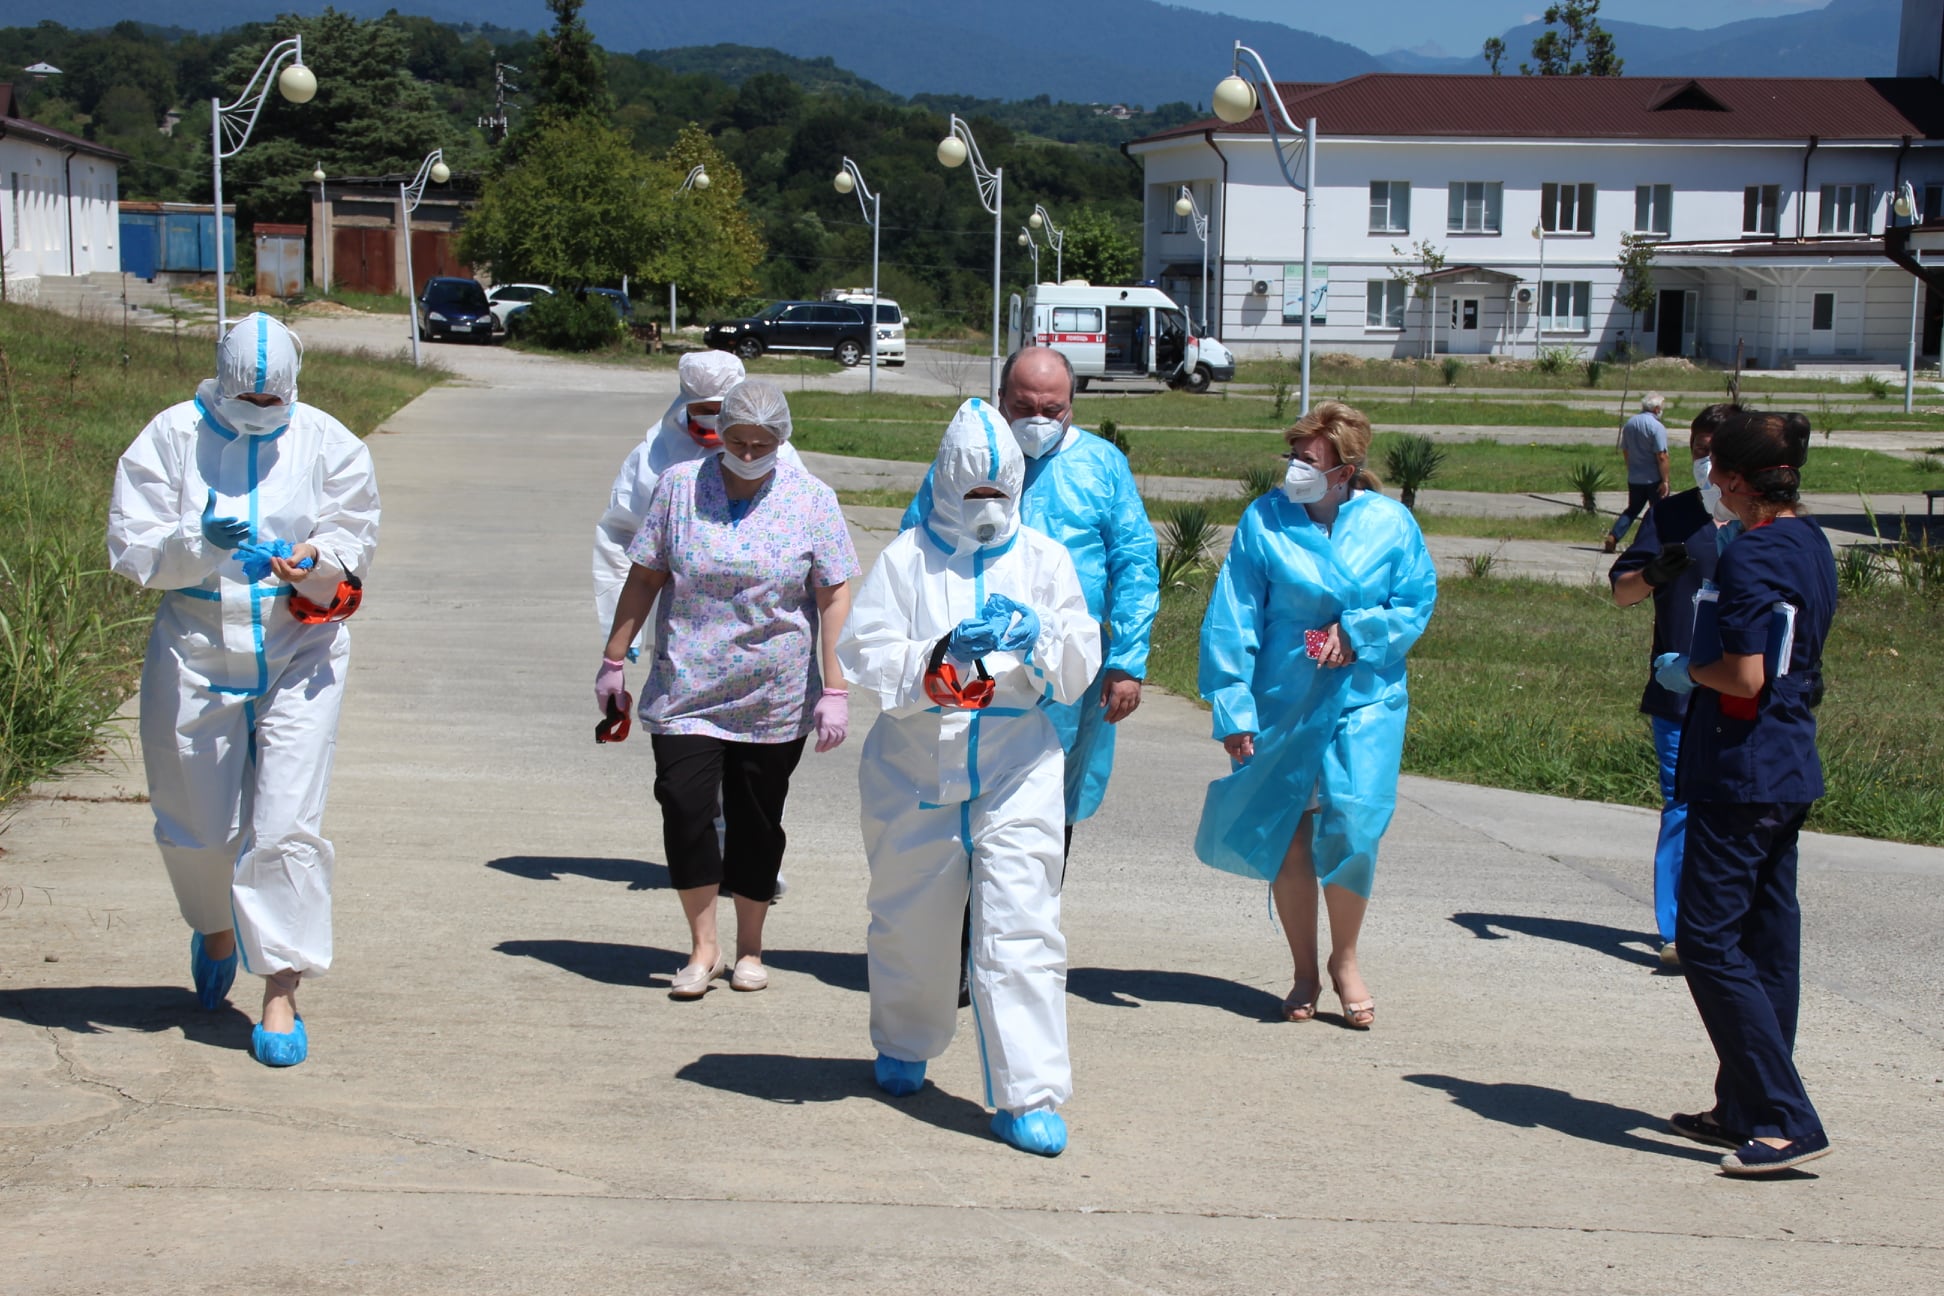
[(1111, 333)]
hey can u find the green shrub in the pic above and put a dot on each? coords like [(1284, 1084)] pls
[(1411, 463), (1589, 478), (1259, 479), (1110, 432), (562, 322), (1187, 538), (1556, 360), (1593, 373), (1451, 367)]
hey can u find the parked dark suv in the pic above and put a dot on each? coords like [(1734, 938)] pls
[(451, 307), (831, 328)]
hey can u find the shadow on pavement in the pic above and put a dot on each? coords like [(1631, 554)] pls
[(843, 971), (1617, 941), (780, 1078), (608, 962), (1130, 987), (1536, 1107), (89, 1010), (640, 875)]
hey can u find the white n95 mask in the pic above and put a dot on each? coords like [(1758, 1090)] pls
[(1304, 483), (1038, 434), (1701, 467), (251, 419), (985, 518), (750, 470)]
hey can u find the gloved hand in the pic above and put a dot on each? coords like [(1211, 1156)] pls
[(1664, 566), (973, 638), (223, 532), (608, 683), (256, 557), (1671, 669), (999, 609), (832, 718)]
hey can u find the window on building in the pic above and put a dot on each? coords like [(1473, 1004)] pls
[(1164, 196), (1762, 209), (1654, 210), (1475, 207), (1822, 312), (13, 229), (1565, 306), (1566, 208), (1845, 209), (1390, 207), (1384, 304), (1932, 197)]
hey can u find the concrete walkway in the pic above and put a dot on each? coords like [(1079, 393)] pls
[(501, 1097)]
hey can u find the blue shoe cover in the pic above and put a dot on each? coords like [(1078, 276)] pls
[(1041, 1132), (213, 977), (285, 1050), (898, 1077)]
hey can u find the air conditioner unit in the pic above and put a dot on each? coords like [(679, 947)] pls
[(1261, 288), (1525, 296)]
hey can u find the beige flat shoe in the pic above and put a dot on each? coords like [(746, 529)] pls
[(693, 981), (754, 976)]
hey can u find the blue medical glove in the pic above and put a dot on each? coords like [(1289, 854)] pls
[(1671, 669), (1013, 638), (634, 654), (973, 638), (223, 532), (256, 557)]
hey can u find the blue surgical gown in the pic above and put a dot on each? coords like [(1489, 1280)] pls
[(1083, 495), (1335, 734)]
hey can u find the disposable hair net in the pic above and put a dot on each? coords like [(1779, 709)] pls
[(756, 402), (708, 375), (259, 355)]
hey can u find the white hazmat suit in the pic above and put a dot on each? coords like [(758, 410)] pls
[(240, 699), (956, 799)]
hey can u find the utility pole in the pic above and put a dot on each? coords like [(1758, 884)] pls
[(496, 123)]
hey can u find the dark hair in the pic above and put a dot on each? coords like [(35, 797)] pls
[(1768, 450), (1713, 416), (1005, 371)]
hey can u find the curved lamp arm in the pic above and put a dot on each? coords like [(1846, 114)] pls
[(697, 178), (865, 198), (236, 134), (1289, 138), (987, 178), (433, 169), (1194, 212), (1055, 236)]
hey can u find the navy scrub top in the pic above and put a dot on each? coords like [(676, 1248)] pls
[(1681, 517), (1771, 758)]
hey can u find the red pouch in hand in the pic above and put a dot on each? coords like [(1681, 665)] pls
[(615, 725), (1316, 643)]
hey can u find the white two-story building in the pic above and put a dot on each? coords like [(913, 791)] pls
[(1766, 200), (59, 202)]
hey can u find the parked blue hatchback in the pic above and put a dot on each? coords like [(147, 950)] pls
[(451, 307)]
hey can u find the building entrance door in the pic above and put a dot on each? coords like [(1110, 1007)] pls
[(1670, 322), (1464, 331)]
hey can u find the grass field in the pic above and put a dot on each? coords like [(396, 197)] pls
[(1534, 686), (1335, 370), (71, 399)]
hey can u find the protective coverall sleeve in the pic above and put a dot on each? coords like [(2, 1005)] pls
[(346, 530), (152, 540), (1133, 575), (1231, 633), (876, 650), (616, 527), (1066, 655), (920, 504), (1381, 635)]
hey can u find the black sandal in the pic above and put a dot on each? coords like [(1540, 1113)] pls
[(1702, 1127)]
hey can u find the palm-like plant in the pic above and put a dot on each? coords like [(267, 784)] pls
[(1411, 463), (1589, 478)]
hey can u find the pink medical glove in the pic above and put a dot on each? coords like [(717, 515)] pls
[(832, 715), (608, 683)]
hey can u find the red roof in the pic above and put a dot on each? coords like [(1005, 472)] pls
[(1518, 107), (11, 125)]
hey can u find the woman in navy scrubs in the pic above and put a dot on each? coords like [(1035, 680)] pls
[(1749, 773)]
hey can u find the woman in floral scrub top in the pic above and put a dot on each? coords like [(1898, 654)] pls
[(746, 563)]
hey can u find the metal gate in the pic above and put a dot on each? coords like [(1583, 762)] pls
[(361, 259), (432, 254)]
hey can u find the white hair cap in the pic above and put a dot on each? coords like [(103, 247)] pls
[(708, 375), (757, 403), (1652, 401), (259, 355)]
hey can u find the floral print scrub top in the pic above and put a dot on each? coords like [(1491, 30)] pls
[(736, 624)]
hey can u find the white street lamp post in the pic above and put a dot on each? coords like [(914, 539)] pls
[(697, 179), (1055, 239), (1234, 100), (409, 196), (228, 135), (851, 180), (955, 150), (1905, 207), (1027, 241), (1539, 305), (324, 230), (1187, 206)]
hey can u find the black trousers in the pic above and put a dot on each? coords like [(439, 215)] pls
[(1639, 496), (1740, 934), (697, 777)]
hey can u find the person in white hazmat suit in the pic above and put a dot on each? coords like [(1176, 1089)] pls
[(257, 517), (686, 431), (967, 628)]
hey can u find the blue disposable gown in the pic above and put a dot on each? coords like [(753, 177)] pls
[(1337, 734), (1082, 494)]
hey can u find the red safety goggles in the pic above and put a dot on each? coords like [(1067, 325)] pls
[(350, 597), (615, 725), (943, 686)]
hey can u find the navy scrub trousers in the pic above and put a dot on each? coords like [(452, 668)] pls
[(1749, 773)]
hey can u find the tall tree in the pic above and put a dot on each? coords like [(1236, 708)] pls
[(570, 76), (1096, 248), (1573, 44)]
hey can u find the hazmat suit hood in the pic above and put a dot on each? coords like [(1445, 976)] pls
[(704, 376), (977, 450), (257, 355)]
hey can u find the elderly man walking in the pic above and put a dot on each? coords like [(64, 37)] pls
[(1643, 440)]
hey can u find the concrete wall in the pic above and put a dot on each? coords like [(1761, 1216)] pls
[(60, 214)]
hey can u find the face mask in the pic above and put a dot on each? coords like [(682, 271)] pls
[(1701, 466), (760, 466), (985, 518), (703, 428), (251, 420), (1304, 483), (1037, 435)]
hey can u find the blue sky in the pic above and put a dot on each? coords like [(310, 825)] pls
[(1461, 26)]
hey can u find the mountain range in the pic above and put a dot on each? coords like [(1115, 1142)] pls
[(1134, 51)]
